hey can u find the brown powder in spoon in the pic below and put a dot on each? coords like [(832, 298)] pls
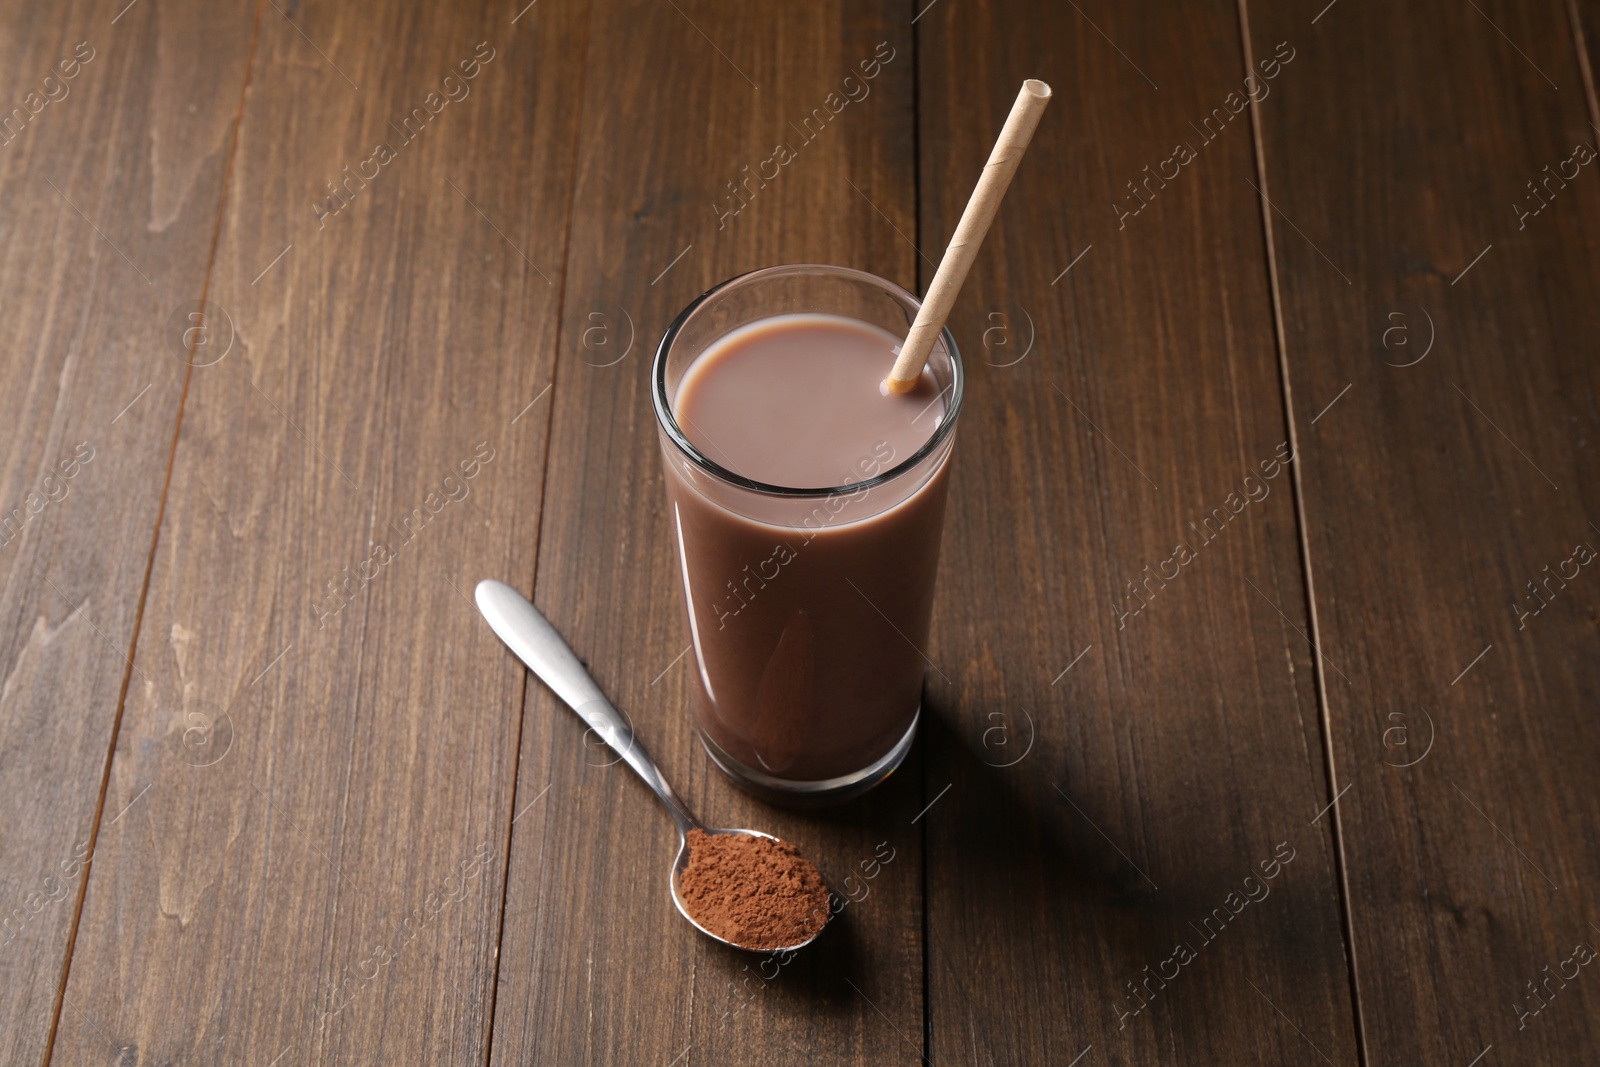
[(753, 891)]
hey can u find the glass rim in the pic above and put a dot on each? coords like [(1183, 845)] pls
[(669, 422)]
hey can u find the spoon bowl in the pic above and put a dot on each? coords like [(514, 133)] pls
[(534, 641), (680, 864)]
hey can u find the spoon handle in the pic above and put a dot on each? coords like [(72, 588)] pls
[(529, 634)]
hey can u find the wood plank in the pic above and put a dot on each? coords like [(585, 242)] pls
[(112, 155), (1090, 898), (1442, 483), (597, 966), (315, 869)]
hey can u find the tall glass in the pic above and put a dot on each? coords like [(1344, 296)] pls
[(808, 609)]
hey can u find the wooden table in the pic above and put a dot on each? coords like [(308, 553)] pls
[(1260, 727)]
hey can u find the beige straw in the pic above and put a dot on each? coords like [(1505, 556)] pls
[(969, 235)]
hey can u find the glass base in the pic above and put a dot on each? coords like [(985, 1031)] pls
[(811, 794)]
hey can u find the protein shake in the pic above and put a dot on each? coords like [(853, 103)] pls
[(806, 508)]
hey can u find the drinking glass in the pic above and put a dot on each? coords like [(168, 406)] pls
[(807, 609)]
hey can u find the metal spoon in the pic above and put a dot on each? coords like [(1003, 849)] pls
[(529, 634)]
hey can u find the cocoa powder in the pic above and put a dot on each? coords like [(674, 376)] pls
[(756, 892)]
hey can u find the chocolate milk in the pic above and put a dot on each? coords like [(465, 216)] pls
[(807, 613)]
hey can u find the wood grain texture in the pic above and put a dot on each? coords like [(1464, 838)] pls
[(1436, 490), (339, 825), (597, 965), (111, 173), (321, 734), (1174, 732)]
